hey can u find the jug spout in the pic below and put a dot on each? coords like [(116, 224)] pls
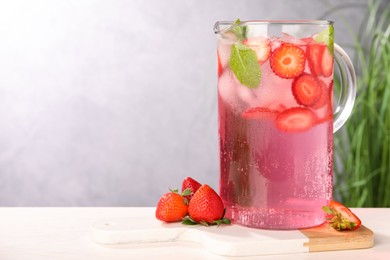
[(221, 26)]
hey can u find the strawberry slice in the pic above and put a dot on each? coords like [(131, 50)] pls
[(324, 98), (288, 61), (220, 67), (314, 54), (330, 93), (296, 119), (340, 217), (258, 113), (327, 63), (261, 46), (306, 90)]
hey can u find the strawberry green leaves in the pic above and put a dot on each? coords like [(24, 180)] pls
[(243, 60), (340, 217), (189, 221), (197, 204), (243, 63)]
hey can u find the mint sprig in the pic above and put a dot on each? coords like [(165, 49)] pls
[(239, 30), (243, 62)]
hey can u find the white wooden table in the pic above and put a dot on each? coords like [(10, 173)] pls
[(64, 233)]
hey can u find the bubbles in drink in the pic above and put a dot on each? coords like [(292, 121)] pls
[(276, 152)]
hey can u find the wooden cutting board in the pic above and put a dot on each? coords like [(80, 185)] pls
[(230, 240)]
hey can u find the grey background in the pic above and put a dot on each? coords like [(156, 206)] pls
[(110, 103)]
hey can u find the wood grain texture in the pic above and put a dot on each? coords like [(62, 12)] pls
[(325, 238)]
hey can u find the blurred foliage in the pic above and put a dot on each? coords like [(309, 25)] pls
[(362, 146)]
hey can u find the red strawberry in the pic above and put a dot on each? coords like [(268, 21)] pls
[(320, 60), (327, 63), (220, 67), (324, 98), (258, 113), (295, 119), (330, 93), (171, 207), (263, 112), (314, 58), (306, 89), (277, 107), (327, 118), (206, 207), (340, 217), (192, 185), (288, 61), (261, 46)]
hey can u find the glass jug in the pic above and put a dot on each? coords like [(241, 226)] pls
[(276, 119)]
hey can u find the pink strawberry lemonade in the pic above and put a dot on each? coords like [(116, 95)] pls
[(276, 138)]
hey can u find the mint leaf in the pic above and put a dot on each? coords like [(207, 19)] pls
[(243, 63), (327, 37), (238, 30)]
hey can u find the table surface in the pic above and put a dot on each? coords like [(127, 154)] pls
[(63, 233)]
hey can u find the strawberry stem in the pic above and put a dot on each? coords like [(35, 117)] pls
[(189, 221), (186, 192)]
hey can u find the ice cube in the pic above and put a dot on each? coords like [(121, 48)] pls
[(287, 38), (234, 94), (223, 53), (227, 89), (246, 94), (273, 89)]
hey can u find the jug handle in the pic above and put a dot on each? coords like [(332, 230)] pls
[(347, 96)]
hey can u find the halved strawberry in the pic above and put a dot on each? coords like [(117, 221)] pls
[(288, 61), (296, 119), (327, 63), (314, 54), (261, 46), (340, 217), (306, 90)]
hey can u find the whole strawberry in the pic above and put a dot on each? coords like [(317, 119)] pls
[(206, 207), (192, 185), (171, 207)]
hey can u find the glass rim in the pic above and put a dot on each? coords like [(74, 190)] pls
[(230, 24)]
